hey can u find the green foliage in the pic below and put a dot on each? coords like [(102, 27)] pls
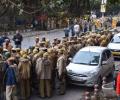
[(114, 2)]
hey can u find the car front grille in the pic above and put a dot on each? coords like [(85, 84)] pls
[(74, 74), (78, 82)]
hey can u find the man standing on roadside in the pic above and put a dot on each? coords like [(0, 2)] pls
[(18, 38), (77, 29)]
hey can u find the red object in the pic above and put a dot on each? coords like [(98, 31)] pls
[(42, 17), (118, 84)]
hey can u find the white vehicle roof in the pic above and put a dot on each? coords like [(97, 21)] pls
[(118, 34), (97, 49)]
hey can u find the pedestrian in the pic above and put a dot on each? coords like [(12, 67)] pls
[(10, 79), (77, 29), (61, 73), (45, 74), (1, 77), (1, 41), (7, 45), (37, 40), (18, 38), (4, 37), (24, 67), (72, 30), (66, 31)]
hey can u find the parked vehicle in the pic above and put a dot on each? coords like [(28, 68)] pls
[(114, 45), (90, 65)]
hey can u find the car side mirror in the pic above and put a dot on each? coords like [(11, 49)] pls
[(104, 62), (70, 59)]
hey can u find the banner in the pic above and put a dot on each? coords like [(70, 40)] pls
[(104, 2)]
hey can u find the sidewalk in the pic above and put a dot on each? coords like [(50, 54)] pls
[(31, 33)]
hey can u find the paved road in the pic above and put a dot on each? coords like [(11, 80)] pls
[(73, 92), (30, 41)]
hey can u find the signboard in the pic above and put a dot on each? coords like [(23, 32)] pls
[(104, 2), (103, 8)]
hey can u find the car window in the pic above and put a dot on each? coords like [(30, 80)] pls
[(104, 56), (115, 39), (86, 57), (108, 53)]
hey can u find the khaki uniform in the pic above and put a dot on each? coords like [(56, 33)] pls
[(38, 71), (44, 71), (78, 47), (61, 79), (24, 76), (71, 50)]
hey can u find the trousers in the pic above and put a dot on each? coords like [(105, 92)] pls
[(11, 93), (25, 88), (45, 87)]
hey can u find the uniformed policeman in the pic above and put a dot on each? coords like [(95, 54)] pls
[(38, 69), (61, 72), (45, 73), (71, 48), (24, 67)]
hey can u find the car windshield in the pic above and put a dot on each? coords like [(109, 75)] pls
[(115, 39), (86, 57)]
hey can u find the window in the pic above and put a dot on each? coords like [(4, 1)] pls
[(86, 57), (108, 53), (104, 56)]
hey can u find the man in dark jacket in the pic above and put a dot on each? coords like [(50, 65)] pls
[(10, 80), (18, 38)]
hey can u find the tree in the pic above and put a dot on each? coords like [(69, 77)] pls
[(4, 6)]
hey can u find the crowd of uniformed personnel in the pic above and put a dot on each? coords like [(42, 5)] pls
[(41, 67)]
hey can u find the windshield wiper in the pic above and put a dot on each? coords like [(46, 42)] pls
[(81, 63), (116, 42), (93, 64)]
